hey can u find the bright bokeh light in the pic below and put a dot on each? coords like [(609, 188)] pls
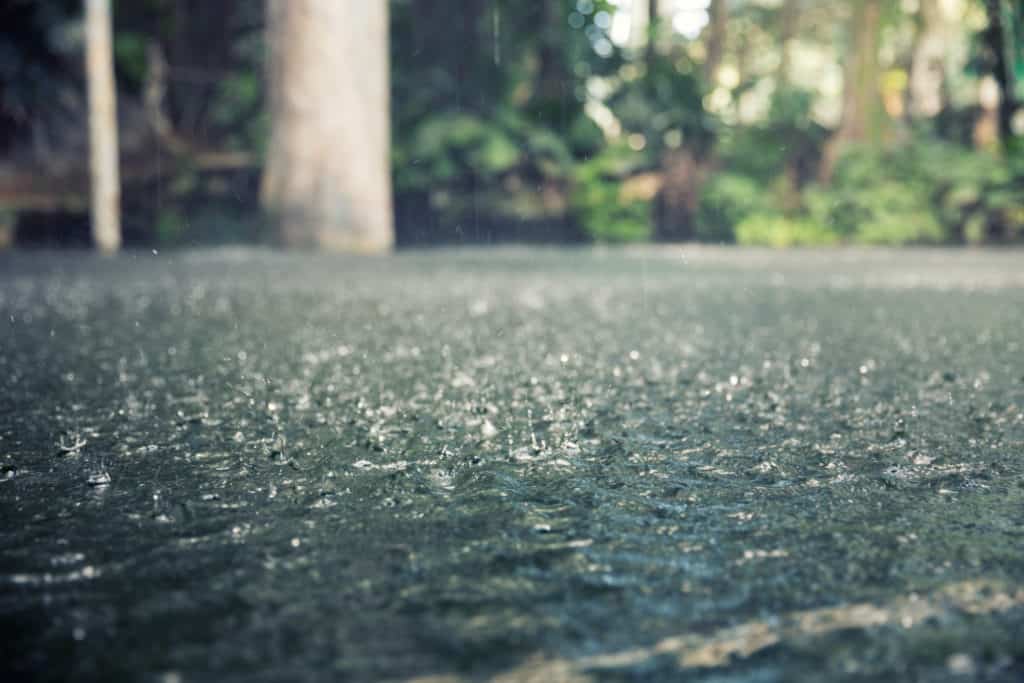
[(690, 22), (689, 17), (621, 26), (629, 23)]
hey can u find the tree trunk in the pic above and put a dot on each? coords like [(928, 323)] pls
[(682, 170), (653, 26), (927, 70), (861, 100), (717, 27), (468, 37), (683, 177), (103, 155), (986, 127), (790, 15), (1002, 68), (552, 91), (327, 179)]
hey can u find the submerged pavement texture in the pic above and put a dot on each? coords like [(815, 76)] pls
[(518, 465)]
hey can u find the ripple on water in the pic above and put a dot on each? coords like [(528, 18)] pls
[(86, 573), (648, 471)]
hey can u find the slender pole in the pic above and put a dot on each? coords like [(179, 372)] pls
[(104, 176)]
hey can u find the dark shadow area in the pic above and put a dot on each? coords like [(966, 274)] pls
[(35, 229), (416, 225)]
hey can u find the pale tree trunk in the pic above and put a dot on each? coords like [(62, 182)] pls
[(790, 16), (986, 126), (927, 70), (327, 179), (104, 175), (717, 27), (861, 99)]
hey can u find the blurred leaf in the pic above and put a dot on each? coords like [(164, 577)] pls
[(772, 230)]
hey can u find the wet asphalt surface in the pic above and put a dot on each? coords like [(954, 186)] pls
[(515, 465)]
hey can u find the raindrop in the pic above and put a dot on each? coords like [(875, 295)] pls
[(961, 664), (72, 443), (101, 478)]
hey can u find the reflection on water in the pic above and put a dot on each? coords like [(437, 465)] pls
[(724, 646)]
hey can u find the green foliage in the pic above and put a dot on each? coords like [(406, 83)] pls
[(976, 194), (457, 150), (488, 106), (210, 223), (447, 149), (488, 58), (882, 212), (791, 110), (547, 150), (776, 230), (751, 152), (130, 56), (923, 192), (238, 98), (597, 200), (788, 136), (727, 199), (498, 168), (870, 203), (585, 137), (761, 160), (664, 104), (170, 226), (488, 121)]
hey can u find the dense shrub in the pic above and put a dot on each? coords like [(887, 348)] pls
[(469, 168), (726, 200), (598, 202), (890, 213), (922, 192), (976, 195), (787, 137), (776, 230)]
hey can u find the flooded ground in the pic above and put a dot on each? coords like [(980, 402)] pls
[(513, 465)]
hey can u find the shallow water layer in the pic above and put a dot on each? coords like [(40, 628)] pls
[(550, 465)]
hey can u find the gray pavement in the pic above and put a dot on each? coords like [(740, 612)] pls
[(669, 463)]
